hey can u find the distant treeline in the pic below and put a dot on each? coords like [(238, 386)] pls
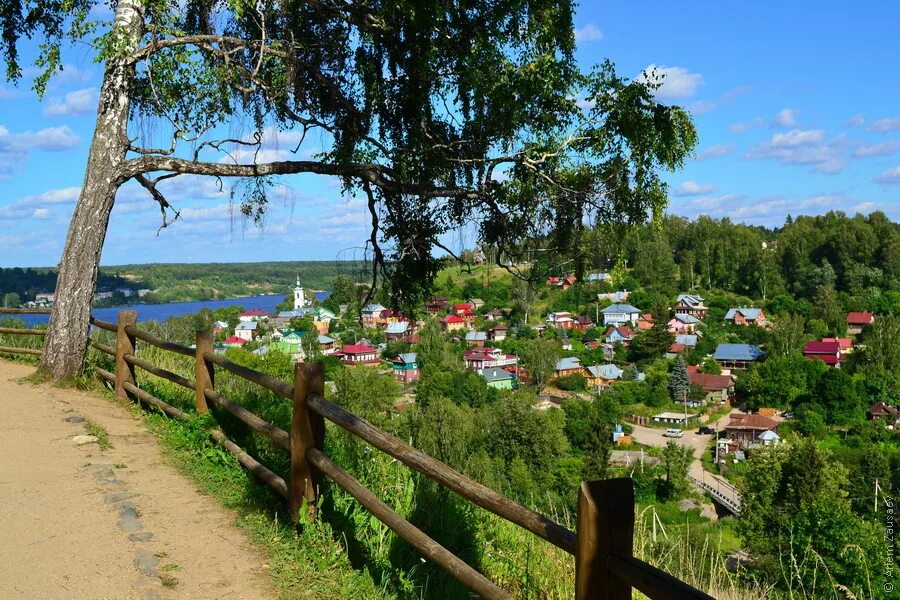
[(197, 281)]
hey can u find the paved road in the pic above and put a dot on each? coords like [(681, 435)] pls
[(116, 524), (691, 439)]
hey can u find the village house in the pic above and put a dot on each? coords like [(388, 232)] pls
[(619, 335), (718, 388), (846, 344), (476, 303), (737, 356), (234, 341), (683, 323), (498, 332), (371, 316), (619, 314), (453, 323), (405, 367), (856, 321), (396, 331), (493, 314), (689, 340), (476, 338), (327, 345), (486, 357), (645, 322), (560, 320), (568, 366), (691, 304), (746, 316), (219, 326), (465, 311), (436, 305), (597, 277), (246, 330), (620, 296), (582, 323), (881, 410), (828, 352), (254, 314), (744, 431), (602, 376), (499, 378), (358, 354)]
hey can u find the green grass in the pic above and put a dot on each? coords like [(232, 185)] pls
[(98, 431)]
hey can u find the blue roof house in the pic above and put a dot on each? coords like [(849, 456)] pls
[(738, 356)]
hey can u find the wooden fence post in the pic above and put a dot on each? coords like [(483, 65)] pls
[(605, 526), (307, 431), (205, 371), (124, 345)]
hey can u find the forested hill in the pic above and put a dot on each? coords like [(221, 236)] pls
[(810, 261), (194, 281)]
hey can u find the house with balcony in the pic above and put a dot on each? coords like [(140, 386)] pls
[(691, 304), (486, 357), (620, 314), (358, 354), (683, 323), (602, 376)]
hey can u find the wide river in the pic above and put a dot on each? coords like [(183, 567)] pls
[(161, 312)]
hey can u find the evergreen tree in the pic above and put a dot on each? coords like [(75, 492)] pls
[(679, 380), (597, 451)]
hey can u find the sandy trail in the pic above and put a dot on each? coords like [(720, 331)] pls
[(78, 522)]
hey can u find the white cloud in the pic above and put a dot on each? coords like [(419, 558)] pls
[(797, 137), (857, 120), (889, 177), (715, 151), (39, 206), (878, 149), (79, 102), (747, 125), (885, 125), (588, 33), (804, 147), (14, 147), (675, 82), (50, 139), (692, 188), (786, 117)]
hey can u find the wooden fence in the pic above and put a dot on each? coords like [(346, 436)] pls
[(605, 567)]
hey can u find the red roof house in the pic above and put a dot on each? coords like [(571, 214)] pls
[(857, 320), (453, 322), (235, 341), (846, 343), (253, 314), (356, 354), (827, 352)]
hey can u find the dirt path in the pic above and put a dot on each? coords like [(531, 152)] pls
[(80, 522)]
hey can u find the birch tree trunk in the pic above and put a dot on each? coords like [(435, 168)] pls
[(65, 346)]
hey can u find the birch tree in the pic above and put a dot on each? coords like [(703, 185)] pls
[(442, 116)]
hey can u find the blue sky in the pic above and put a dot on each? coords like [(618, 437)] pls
[(796, 107)]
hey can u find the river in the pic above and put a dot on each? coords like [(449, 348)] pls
[(161, 312)]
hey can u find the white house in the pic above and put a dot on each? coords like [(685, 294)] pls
[(246, 330), (619, 314)]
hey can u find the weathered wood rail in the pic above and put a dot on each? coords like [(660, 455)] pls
[(605, 567)]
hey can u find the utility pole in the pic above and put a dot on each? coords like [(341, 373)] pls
[(877, 489)]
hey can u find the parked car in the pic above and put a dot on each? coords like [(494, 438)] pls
[(706, 431), (673, 433)]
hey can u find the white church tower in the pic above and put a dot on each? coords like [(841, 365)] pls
[(299, 300)]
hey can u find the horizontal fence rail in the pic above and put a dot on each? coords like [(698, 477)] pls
[(604, 564)]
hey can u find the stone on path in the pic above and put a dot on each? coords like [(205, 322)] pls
[(81, 440), (75, 419)]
